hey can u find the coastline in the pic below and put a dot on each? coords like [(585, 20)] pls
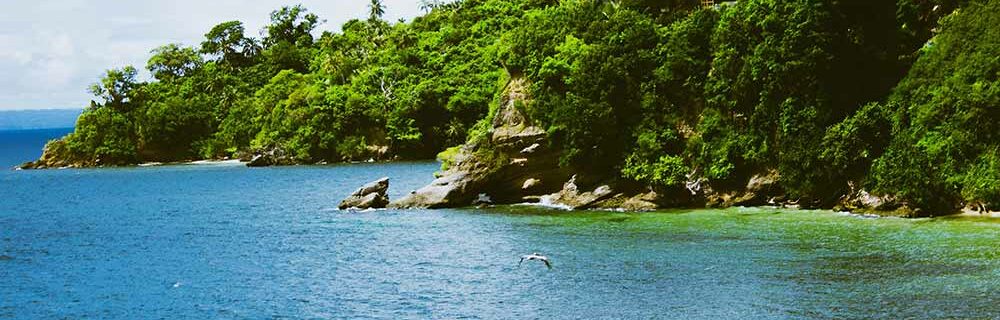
[(550, 201)]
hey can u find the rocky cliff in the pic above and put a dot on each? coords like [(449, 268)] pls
[(515, 163)]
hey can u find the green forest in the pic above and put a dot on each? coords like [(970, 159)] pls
[(899, 97)]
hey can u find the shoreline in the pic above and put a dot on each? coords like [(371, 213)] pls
[(190, 162), (864, 214)]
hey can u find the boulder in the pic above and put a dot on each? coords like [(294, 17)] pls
[(270, 157), (571, 196), (860, 200), (260, 160), (373, 195), (642, 202), (453, 189), (760, 189)]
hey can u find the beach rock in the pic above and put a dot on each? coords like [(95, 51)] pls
[(860, 200), (455, 188), (275, 156), (259, 160), (571, 196), (642, 202), (373, 195), (759, 190)]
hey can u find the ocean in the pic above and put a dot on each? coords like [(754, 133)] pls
[(223, 241)]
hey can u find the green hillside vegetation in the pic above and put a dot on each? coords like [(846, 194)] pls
[(897, 98)]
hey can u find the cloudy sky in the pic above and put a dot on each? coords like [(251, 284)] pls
[(51, 50)]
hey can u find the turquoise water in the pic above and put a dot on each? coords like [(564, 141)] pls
[(222, 241)]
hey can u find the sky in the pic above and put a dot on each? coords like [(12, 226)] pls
[(52, 50)]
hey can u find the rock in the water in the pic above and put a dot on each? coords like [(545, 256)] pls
[(642, 202), (451, 190), (572, 197), (373, 195)]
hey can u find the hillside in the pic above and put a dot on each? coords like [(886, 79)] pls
[(853, 104)]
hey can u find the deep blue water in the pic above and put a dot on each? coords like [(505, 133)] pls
[(38, 119), (20, 146), (222, 241)]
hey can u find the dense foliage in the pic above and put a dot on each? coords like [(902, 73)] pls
[(898, 97), (375, 89)]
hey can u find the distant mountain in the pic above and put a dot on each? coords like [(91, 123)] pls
[(38, 119)]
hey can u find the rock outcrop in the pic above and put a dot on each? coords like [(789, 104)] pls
[(512, 164), (270, 157), (56, 155), (761, 189), (373, 195), (515, 163), (861, 201), (571, 196)]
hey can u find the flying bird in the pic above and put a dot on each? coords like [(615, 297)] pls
[(535, 256)]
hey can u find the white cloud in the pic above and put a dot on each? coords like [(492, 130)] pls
[(51, 50)]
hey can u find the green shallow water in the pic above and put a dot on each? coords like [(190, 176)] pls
[(813, 264)]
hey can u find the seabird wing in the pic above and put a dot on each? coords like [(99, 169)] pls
[(547, 264)]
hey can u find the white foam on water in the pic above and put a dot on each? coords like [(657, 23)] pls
[(546, 202), (215, 162), (860, 215)]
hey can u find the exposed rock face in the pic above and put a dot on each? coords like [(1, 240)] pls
[(373, 195), (55, 156), (860, 200), (761, 189), (642, 202), (513, 164), (270, 157), (572, 197), (454, 189)]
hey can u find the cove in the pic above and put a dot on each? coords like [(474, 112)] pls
[(226, 241)]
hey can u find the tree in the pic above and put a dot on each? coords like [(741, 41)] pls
[(376, 11), (228, 44), (428, 5), (291, 25), (117, 88), (173, 61)]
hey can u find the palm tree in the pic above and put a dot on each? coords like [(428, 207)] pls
[(429, 5), (377, 10)]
